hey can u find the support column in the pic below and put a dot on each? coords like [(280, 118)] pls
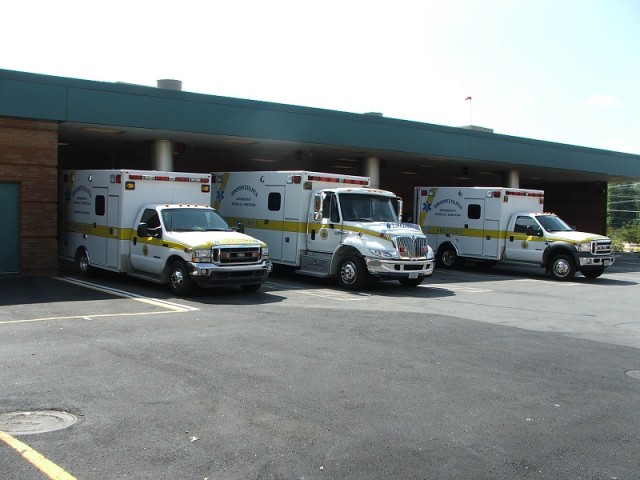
[(372, 170), (162, 156), (511, 179)]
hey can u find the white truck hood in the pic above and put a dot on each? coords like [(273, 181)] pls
[(384, 228), (210, 239), (575, 237)]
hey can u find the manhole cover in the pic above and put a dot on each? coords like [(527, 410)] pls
[(634, 374), (38, 421)]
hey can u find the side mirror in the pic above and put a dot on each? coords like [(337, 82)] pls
[(317, 202), (533, 231), (239, 227), (143, 230)]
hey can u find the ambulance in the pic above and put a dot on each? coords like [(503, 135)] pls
[(326, 225), (488, 225), (156, 226)]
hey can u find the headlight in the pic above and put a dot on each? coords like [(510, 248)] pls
[(430, 254), (384, 253), (201, 255), (584, 247), (265, 251)]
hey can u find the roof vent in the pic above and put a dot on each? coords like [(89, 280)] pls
[(169, 84)]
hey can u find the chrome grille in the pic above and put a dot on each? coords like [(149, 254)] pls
[(412, 246), (235, 255), (601, 247)]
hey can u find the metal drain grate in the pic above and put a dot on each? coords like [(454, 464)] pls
[(37, 421)]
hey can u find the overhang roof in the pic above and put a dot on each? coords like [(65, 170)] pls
[(117, 115)]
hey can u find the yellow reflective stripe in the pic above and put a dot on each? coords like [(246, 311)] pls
[(98, 230)]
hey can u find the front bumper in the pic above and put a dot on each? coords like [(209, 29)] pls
[(213, 274), (397, 269), (586, 260)]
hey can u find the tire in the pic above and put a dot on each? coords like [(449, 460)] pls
[(82, 264), (180, 282), (251, 288), (352, 273), (562, 267), (447, 257), (411, 282), (591, 274)]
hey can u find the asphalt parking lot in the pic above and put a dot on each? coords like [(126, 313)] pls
[(477, 374)]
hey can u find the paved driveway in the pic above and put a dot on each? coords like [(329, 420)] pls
[(476, 374)]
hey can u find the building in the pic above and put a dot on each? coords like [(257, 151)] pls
[(50, 123)]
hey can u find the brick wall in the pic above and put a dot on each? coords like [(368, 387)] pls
[(29, 156)]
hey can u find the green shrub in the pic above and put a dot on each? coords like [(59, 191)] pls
[(629, 233)]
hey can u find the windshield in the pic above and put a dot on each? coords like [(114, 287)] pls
[(551, 223), (193, 220), (369, 208)]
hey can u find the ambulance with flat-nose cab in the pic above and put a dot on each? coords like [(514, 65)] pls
[(326, 225)]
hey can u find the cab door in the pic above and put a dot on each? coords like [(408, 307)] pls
[(324, 230), (523, 244), (148, 253)]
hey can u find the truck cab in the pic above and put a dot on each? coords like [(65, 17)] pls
[(545, 239)]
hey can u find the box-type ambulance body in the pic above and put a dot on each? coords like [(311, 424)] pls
[(326, 225), (156, 226), (487, 224)]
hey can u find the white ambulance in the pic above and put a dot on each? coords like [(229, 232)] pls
[(488, 225), (156, 226), (326, 225)]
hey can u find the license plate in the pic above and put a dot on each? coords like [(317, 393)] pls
[(413, 275), (606, 262)]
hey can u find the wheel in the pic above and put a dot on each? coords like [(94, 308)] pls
[(352, 273), (562, 267), (591, 274), (447, 257), (411, 282), (251, 288), (180, 282), (82, 264)]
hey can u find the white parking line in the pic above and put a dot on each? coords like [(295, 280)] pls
[(457, 287), (340, 295), (139, 298), (168, 307)]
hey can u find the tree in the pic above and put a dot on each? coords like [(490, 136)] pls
[(623, 205)]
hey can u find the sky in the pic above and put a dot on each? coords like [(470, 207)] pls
[(565, 71)]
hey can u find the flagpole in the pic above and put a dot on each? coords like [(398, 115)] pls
[(470, 110)]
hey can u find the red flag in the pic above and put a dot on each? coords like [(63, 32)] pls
[(468, 98)]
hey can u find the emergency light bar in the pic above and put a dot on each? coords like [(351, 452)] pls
[(165, 178), (350, 181)]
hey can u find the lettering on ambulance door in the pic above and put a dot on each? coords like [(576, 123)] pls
[(147, 253), (473, 228), (98, 241), (325, 234), (114, 243)]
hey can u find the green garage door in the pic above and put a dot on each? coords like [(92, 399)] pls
[(9, 208)]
